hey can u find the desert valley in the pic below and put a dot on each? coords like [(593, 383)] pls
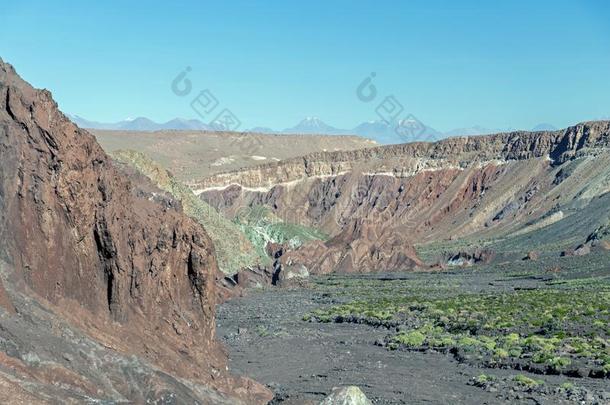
[(224, 267), (305, 203)]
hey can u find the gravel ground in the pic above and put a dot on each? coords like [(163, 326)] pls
[(301, 362)]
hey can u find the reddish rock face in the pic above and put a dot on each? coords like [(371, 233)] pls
[(125, 269), (412, 158), (377, 203), (364, 246)]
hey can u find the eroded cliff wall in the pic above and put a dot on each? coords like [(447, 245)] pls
[(78, 238)]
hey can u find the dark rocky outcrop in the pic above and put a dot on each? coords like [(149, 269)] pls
[(77, 237), (469, 258), (600, 235)]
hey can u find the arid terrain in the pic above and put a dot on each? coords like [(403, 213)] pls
[(301, 342), (211, 268), (507, 239), (195, 154), (305, 202)]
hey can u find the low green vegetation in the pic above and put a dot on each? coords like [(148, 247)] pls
[(483, 379), (261, 227), (527, 381), (262, 331), (556, 328)]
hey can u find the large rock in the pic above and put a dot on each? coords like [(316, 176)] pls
[(600, 235), (346, 396), (77, 236)]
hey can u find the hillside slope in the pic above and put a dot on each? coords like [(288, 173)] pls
[(473, 189), (233, 250), (107, 294), (193, 154)]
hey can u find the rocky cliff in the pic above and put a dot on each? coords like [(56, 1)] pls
[(414, 193), (78, 239), (412, 158)]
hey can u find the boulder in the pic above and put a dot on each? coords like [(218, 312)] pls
[(470, 258), (346, 396), (582, 250), (294, 271)]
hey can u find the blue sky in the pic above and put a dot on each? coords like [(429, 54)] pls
[(450, 63)]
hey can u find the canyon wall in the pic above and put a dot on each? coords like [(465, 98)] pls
[(82, 240), (490, 186), (409, 159)]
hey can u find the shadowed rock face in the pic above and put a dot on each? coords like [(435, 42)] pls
[(77, 237)]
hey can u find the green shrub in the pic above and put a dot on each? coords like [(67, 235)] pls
[(467, 341), (483, 379), (501, 353), (559, 362), (262, 331), (410, 339), (526, 381)]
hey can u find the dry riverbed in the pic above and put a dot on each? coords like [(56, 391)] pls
[(385, 334)]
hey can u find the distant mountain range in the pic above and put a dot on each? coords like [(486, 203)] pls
[(143, 124), (314, 125), (475, 130), (544, 127), (400, 131)]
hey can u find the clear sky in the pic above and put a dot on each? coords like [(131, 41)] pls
[(452, 64)]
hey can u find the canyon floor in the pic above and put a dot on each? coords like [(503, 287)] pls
[(302, 342)]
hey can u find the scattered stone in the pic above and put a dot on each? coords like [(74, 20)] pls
[(582, 250), (346, 396), (470, 258)]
